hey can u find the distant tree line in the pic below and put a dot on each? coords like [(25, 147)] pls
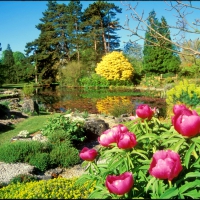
[(72, 42)]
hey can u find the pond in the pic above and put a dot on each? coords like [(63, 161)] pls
[(96, 101)]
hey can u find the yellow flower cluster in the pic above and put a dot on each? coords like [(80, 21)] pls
[(114, 66), (107, 104), (60, 188), (182, 93)]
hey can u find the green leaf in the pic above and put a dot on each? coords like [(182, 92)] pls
[(177, 145), (192, 174), (149, 183), (188, 154), (193, 194), (149, 136), (140, 154), (171, 192), (188, 186)]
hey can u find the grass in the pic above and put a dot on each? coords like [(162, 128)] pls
[(32, 124)]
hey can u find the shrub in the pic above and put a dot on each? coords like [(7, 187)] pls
[(94, 80), (183, 92), (64, 154), (69, 75), (60, 188), (73, 129), (40, 161), (115, 66), (21, 151), (28, 90)]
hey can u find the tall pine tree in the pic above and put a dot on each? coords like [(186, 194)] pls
[(159, 60)]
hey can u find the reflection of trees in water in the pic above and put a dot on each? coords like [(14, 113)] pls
[(56, 98)]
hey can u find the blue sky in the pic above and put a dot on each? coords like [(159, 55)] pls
[(19, 18)]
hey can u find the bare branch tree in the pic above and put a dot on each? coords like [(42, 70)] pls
[(182, 10)]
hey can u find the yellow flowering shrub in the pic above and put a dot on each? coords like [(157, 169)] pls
[(183, 93), (115, 66), (115, 105), (60, 188)]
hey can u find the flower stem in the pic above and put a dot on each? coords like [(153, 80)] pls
[(170, 183), (194, 153)]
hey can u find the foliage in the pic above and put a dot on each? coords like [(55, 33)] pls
[(28, 90), (94, 80), (114, 66), (23, 178), (40, 160), (70, 74), (67, 34), (158, 59), (152, 136), (184, 92), (133, 52), (189, 71), (60, 188), (64, 154), (21, 151), (73, 129)]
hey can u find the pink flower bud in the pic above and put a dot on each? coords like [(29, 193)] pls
[(165, 165), (119, 184), (88, 154), (144, 111)]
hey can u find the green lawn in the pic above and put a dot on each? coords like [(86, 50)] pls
[(32, 124)]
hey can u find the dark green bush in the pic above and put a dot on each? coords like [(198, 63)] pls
[(21, 151), (64, 154), (40, 161), (23, 178)]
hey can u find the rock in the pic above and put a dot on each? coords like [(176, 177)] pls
[(30, 105), (39, 137), (4, 112), (94, 128), (9, 171)]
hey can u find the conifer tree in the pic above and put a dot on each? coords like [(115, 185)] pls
[(158, 60)]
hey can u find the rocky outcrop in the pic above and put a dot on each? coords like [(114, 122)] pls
[(30, 105)]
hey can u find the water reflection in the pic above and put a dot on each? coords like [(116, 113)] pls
[(93, 101)]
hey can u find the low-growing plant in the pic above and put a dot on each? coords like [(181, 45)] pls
[(21, 151), (23, 178), (64, 154), (59, 188), (40, 161), (73, 128)]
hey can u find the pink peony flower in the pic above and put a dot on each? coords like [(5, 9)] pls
[(111, 135), (88, 154), (165, 165), (127, 140), (119, 184), (185, 121), (144, 111)]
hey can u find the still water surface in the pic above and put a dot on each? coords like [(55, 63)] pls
[(94, 100)]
